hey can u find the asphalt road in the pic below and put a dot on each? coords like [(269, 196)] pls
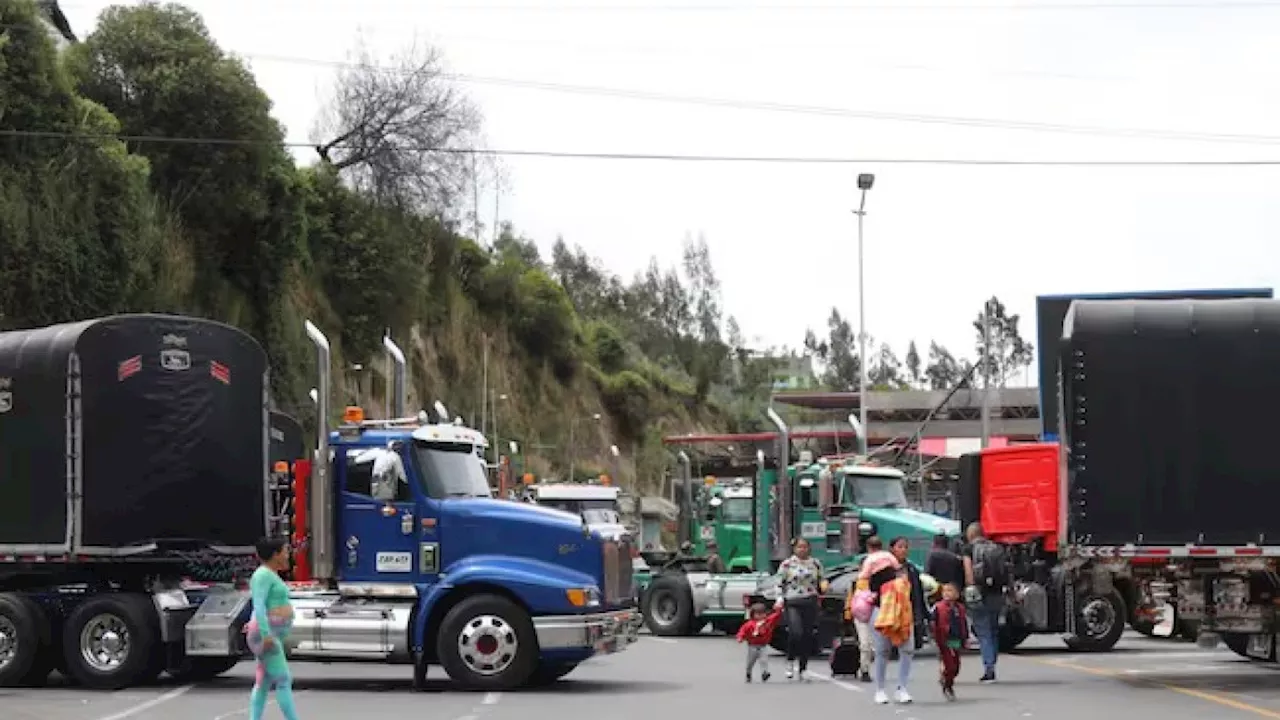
[(660, 678)]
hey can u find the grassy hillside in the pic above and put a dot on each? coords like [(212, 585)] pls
[(140, 170)]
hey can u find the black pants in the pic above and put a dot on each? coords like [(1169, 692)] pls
[(802, 628)]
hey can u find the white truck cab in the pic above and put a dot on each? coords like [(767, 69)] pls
[(596, 504)]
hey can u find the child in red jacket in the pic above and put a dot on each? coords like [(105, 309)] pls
[(756, 633), (950, 628)]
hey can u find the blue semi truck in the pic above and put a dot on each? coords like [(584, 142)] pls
[(134, 481)]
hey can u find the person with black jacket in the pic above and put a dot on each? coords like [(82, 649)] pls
[(943, 564)]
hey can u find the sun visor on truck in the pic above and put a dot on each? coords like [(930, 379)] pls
[(1168, 409), (130, 430)]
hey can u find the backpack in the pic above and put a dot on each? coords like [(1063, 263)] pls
[(989, 569)]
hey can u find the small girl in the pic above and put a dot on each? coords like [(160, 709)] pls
[(950, 627), (756, 633)]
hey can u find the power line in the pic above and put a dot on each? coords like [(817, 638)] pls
[(808, 110), (851, 7), (811, 110), (669, 157)]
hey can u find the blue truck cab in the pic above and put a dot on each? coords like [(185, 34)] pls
[(415, 562)]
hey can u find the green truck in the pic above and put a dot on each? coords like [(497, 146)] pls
[(836, 505)]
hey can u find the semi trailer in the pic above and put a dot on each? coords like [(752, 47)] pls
[(134, 456), (1157, 492)]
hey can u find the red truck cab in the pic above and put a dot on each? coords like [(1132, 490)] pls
[(1014, 492)]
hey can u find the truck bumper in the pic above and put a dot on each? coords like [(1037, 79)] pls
[(600, 633)]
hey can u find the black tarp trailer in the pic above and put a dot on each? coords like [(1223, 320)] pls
[(129, 445), (1167, 412)]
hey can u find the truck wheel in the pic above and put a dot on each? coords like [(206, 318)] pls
[(200, 669), (668, 607), (112, 641), (550, 673), (1099, 624), (487, 642), (25, 657), (1009, 638)]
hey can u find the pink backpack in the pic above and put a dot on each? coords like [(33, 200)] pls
[(862, 605)]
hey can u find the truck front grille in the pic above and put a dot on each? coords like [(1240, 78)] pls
[(617, 572)]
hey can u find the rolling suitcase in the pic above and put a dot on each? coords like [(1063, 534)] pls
[(845, 656)]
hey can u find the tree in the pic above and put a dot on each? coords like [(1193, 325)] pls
[(158, 70), (914, 370), (1007, 352), (841, 357), (885, 370), (943, 371), (401, 133)]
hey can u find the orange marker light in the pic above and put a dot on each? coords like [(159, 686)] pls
[(281, 467), (353, 415)]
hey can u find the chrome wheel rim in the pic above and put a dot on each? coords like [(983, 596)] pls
[(104, 643), (664, 608), (8, 642), (1099, 617), (488, 645)]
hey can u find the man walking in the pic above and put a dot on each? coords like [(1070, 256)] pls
[(986, 579), (944, 565)]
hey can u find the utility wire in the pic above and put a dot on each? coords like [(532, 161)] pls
[(812, 110), (670, 157), (801, 109), (840, 8)]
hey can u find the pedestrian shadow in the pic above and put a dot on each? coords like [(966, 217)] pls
[(570, 686), (1064, 650)]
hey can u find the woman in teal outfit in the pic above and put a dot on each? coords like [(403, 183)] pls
[(269, 628)]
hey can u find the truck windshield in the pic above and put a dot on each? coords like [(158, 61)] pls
[(594, 512), (877, 492), (736, 510), (450, 470)]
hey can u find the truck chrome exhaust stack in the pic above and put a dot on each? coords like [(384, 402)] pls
[(686, 497), (785, 494), (398, 392), (321, 530)]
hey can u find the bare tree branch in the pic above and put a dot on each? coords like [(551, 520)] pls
[(386, 126)]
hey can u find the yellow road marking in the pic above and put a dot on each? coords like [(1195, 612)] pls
[(1212, 697)]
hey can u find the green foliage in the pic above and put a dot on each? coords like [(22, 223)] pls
[(235, 231)]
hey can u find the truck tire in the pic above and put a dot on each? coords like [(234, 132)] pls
[(488, 642), (201, 669), (550, 673), (1009, 637), (1100, 622), (668, 606), (25, 656), (1238, 643), (112, 642)]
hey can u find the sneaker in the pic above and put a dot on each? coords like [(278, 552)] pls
[(902, 697), (791, 671), (749, 676), (881, 698), (988, 677), (865, 676), (949, 693), (764, 676)]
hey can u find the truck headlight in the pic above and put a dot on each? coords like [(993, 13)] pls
[(583, 597)]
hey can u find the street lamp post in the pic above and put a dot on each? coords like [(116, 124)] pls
[(865, 181), (573, 449)]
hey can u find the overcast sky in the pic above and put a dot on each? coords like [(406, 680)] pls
[(938, 238)]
